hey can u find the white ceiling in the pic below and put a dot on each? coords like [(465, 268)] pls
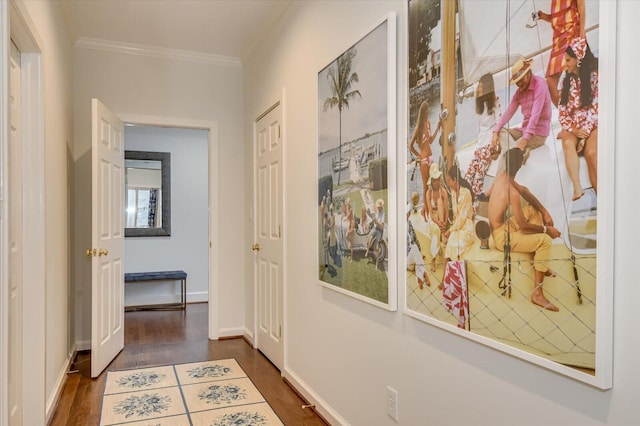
[(226, 28)]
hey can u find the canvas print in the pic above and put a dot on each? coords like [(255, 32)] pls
[(353, 182), (502, 173)]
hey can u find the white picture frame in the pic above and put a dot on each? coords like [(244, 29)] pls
[(357, 167), (597, 343)]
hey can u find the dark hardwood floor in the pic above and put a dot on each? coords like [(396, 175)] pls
[(174, 337)]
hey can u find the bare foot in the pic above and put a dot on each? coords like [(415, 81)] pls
[(423, 282), (538, 298)]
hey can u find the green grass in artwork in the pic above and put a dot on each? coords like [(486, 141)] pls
[(358, 274)]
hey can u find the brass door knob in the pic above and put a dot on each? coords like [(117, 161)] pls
[(93, 252), (255, 247)]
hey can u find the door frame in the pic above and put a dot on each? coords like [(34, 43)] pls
[(214, 231), (263, 112), (14, 18)]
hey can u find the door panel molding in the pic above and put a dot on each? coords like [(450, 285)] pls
[(269, 268)]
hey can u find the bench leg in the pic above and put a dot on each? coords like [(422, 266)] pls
[(184, 293)]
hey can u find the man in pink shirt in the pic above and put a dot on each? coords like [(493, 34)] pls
[(534, 101)]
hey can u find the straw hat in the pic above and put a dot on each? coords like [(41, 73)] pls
[(520, 69), (434, 173)]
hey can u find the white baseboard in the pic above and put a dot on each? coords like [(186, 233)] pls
[(248, 335), (230, 332), (83, 345), (52, 401), (159, 298), (198, 296), (321, 406)]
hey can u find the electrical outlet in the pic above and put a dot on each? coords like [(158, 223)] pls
[(392, 403)]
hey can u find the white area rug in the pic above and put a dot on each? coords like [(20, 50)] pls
[(212, 393)]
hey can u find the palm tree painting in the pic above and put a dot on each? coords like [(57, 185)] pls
[(341, 79), (354, 210)]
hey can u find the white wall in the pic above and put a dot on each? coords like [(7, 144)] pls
[(346, 352), (152, 86), (188, 245)]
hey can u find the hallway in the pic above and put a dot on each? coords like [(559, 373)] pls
[(174, 337)]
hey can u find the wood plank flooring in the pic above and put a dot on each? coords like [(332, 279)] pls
[(174, 337)]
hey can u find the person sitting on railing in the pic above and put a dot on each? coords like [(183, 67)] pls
[(578, 113), (534, 101), (530, 227)]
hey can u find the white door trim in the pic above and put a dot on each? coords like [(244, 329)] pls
[(214, 231), (4, 228), (34, 276), (18, 26)]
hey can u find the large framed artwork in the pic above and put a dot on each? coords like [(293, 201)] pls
[(356, 169), (509, 201)]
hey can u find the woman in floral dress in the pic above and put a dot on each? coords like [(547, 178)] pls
[(578, 113)]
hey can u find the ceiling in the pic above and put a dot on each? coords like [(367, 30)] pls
[(228, 28)]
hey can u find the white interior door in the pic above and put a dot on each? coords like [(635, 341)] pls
[(15, 240), (107, 236), (268, 230)]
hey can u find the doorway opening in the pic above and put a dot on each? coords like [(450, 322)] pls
[(186, 248), (210, 128)]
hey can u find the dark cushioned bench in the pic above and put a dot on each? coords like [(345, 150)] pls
[(133, 277)]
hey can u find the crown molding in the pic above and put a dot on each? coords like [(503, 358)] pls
[(156, 52)]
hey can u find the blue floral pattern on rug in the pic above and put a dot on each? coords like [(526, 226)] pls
[(216, 394), (241, 418), (209, 371), (141, 379), (142, 406)]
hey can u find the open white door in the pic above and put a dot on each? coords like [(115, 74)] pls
[(268, 229), (107, 237)]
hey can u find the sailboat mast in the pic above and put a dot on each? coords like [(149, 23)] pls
[(449, 80)]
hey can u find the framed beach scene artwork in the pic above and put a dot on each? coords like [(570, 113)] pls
[(508, 198), (356, 169)]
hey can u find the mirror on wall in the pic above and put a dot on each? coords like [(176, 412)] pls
[(148, 194)]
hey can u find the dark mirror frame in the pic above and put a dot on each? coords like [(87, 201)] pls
[(165, 160)]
